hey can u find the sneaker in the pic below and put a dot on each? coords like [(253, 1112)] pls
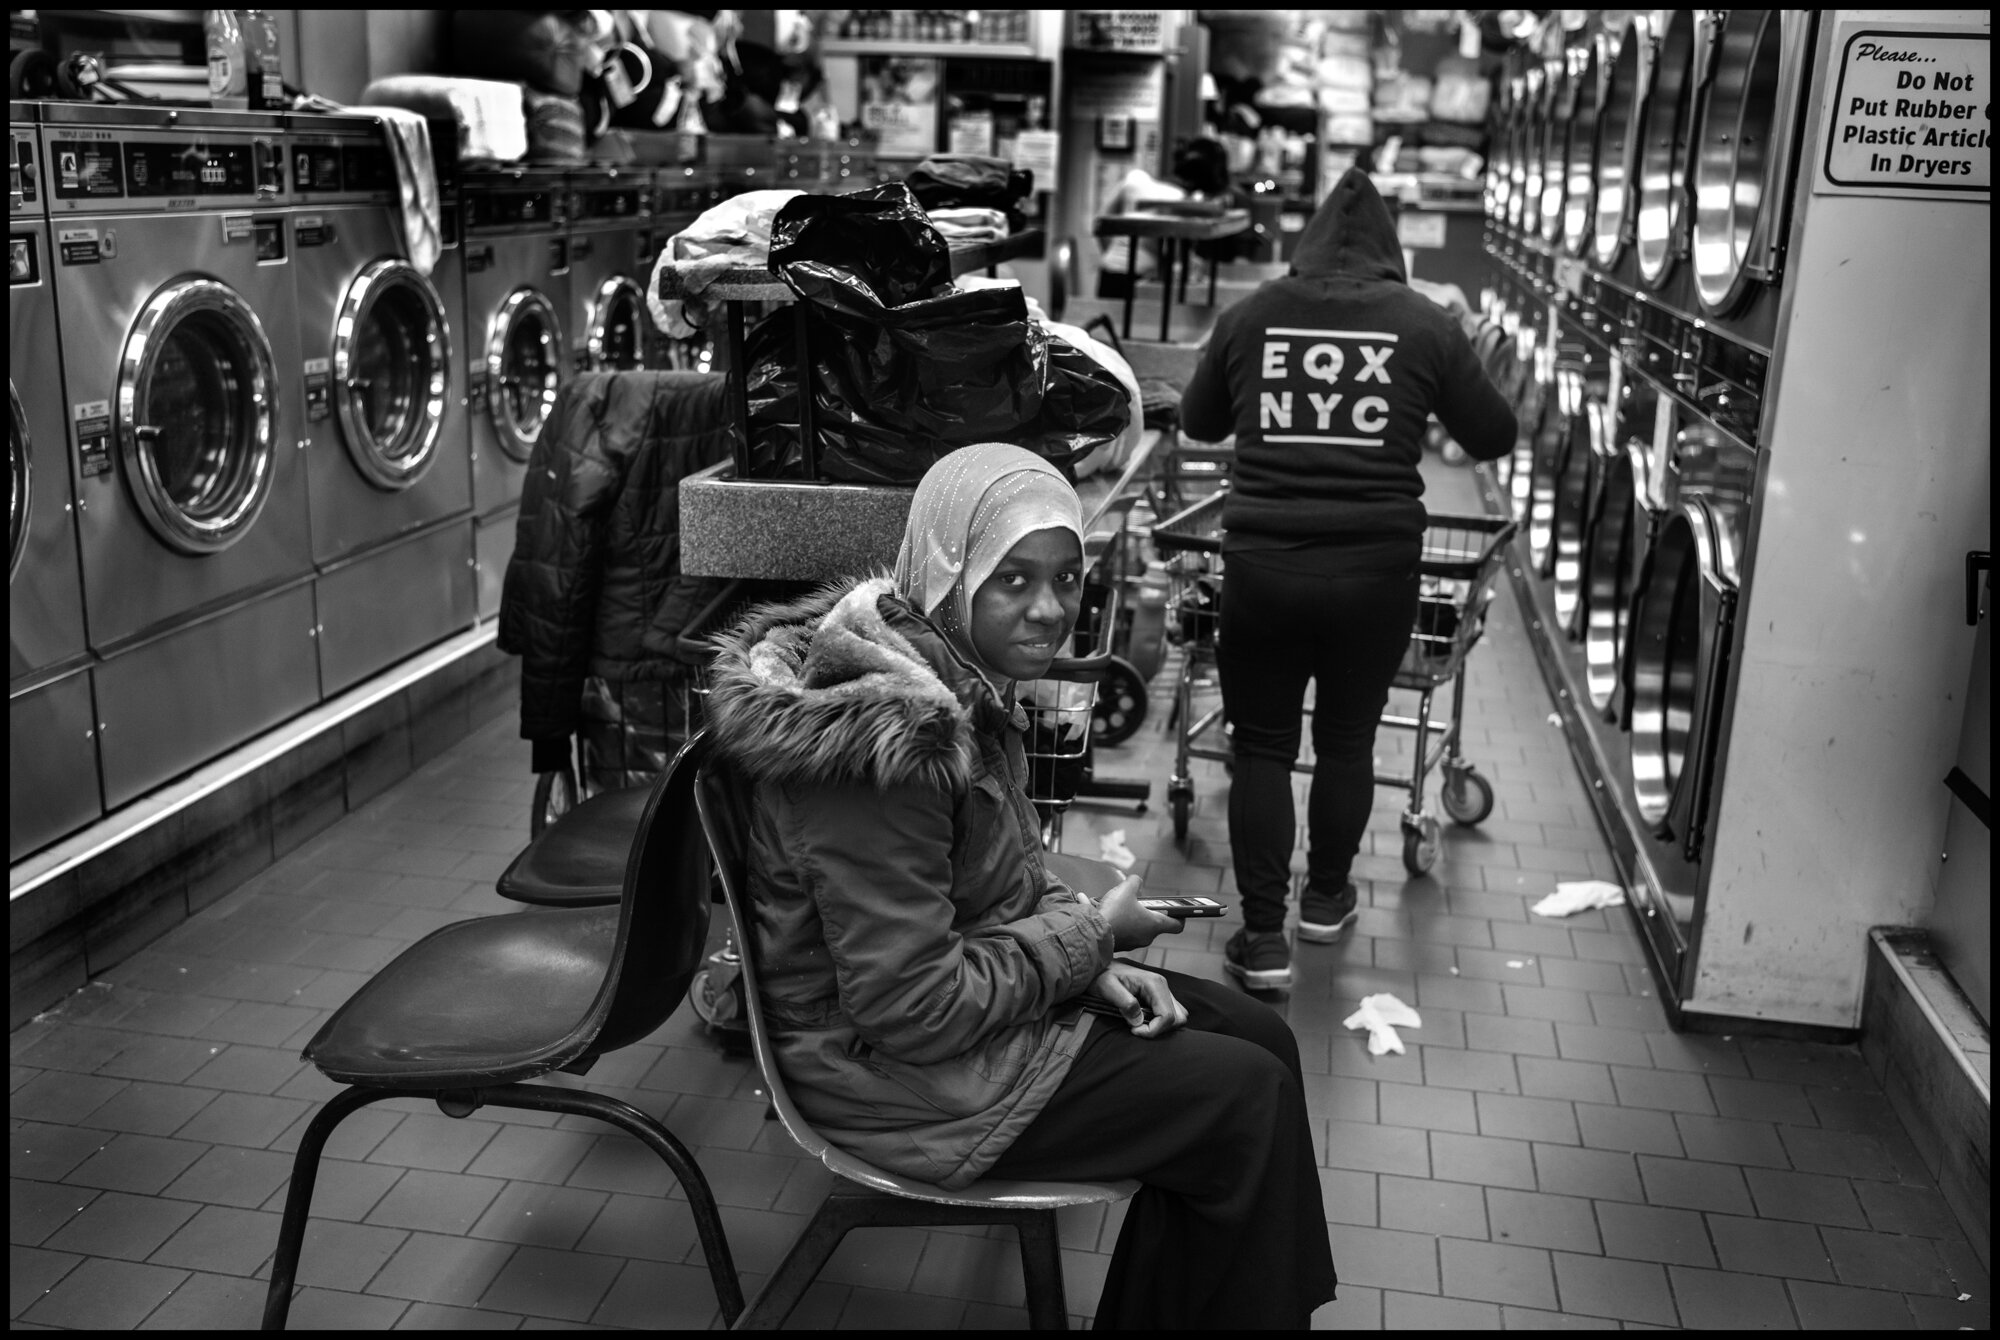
[(1326, 918), (1261, 960)]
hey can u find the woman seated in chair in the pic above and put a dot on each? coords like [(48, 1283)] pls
[(922, 969)]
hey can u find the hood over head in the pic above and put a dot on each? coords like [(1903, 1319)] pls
[(1352, 235)]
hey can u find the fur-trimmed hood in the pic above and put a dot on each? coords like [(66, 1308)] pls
[(848, 684)]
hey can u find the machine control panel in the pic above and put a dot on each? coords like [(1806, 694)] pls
[(611, 202), (328, 166), (93, 167), (512, 209)]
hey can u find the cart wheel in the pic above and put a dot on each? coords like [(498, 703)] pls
[(1121, 704), (718, 1002), (1182, 805), (1466, 796), (555, 796), (1420, 845)]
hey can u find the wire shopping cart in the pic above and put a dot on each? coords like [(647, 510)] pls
[(1459, 561), (1461, 556), (1059, 708)]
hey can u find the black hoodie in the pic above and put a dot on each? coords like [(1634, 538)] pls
[(1327, 377)]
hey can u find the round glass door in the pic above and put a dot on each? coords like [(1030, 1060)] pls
[(616, 341), (1582, 161), (1666, 127), (196, 415), (1525, 202), (1554, 150), (523, 369), (20, 483), (1617, 145), (1734, 152), (391, 360)]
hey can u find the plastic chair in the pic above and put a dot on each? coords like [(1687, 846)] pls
[(578, 860), (468, 1014), (878, 1198)]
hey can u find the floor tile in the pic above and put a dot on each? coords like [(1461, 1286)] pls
[(104, 1295), (115, 1224), (1605, 1287), (1719, 1300), (1650, 1233), (1837, 1307), (1419, 1205), (1885, 1261), (1497, 1273), (1769, 1247), (1534, 1219)]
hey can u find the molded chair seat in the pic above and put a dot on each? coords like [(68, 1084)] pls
[(472, 1011), (579, 860), (879, 1198)]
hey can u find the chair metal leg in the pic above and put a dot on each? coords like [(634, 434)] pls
[(617, 1112), (1041, 1269), (298, 1200)]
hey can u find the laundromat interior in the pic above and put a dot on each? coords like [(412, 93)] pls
[(285, 334)]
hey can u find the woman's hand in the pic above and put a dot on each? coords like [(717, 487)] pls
[(1133, 926), (1137, 994)]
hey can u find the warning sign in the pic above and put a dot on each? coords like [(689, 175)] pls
[(1911, 114)]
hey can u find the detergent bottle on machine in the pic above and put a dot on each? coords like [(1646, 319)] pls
[(228, 71)]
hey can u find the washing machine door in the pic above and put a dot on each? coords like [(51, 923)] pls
[(20, 482), (1742, 158), (1580, 192), (616, 339), (1524, 205), (1554, 149), (391, 361), (1614, 537), (1561, 409), (196, 415), (523, 368), (1681, 629), (1578, 483), (1666, 129), (1618, 120)]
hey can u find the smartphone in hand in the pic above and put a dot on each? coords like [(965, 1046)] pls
[(1187, 905)]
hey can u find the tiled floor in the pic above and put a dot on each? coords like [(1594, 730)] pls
[(1547, 1153)]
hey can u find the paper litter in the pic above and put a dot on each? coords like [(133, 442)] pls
[(1382, 1015), (1111, 848), (1582, 896)]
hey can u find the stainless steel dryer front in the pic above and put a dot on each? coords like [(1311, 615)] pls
[(173, 273), (611, 248), (387, 469), (51, 717)]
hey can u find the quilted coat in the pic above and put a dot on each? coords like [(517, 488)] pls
[(594, 597), (917, 958)]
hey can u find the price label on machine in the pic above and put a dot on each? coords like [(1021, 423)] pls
[(1909, 114)]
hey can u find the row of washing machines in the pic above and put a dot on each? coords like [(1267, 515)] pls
[(257, 454), (1638, 203)]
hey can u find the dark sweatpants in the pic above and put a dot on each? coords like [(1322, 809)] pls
[(1283, 624), (1228, 1231)]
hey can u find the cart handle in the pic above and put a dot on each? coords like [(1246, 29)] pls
[(691, 643)]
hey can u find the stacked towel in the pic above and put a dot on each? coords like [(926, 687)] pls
[(409, 136)]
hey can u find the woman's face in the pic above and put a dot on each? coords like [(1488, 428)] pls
[(1022, 615)]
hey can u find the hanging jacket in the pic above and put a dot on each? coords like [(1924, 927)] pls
[(917, 958), (594, 590), (1327, 377)]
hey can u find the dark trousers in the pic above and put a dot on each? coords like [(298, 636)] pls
[(1281, 626), (1228, 1231)]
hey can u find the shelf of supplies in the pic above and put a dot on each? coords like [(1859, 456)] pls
[(883, 46)]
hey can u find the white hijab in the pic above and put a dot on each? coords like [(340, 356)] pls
[(972, 507)]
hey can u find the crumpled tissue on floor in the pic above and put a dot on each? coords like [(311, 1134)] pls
[(1382, 1015), (1582, 896)]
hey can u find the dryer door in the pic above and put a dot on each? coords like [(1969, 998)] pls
[(1580, 194), (1682, 627), (1618, 143), (1665, 129), (616, 340), (523, 368), (20, 483), (1742, 158), (391, 361), (196, 415)]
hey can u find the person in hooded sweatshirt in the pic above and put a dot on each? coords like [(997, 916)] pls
[(924, 962), (1327, 377)]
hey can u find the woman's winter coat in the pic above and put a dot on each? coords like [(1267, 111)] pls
[(915, 954), (594, 598)]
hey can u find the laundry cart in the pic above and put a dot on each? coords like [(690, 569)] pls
[(1459, 561)]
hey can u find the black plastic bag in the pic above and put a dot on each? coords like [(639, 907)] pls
[(960, 181), (906, 368)]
